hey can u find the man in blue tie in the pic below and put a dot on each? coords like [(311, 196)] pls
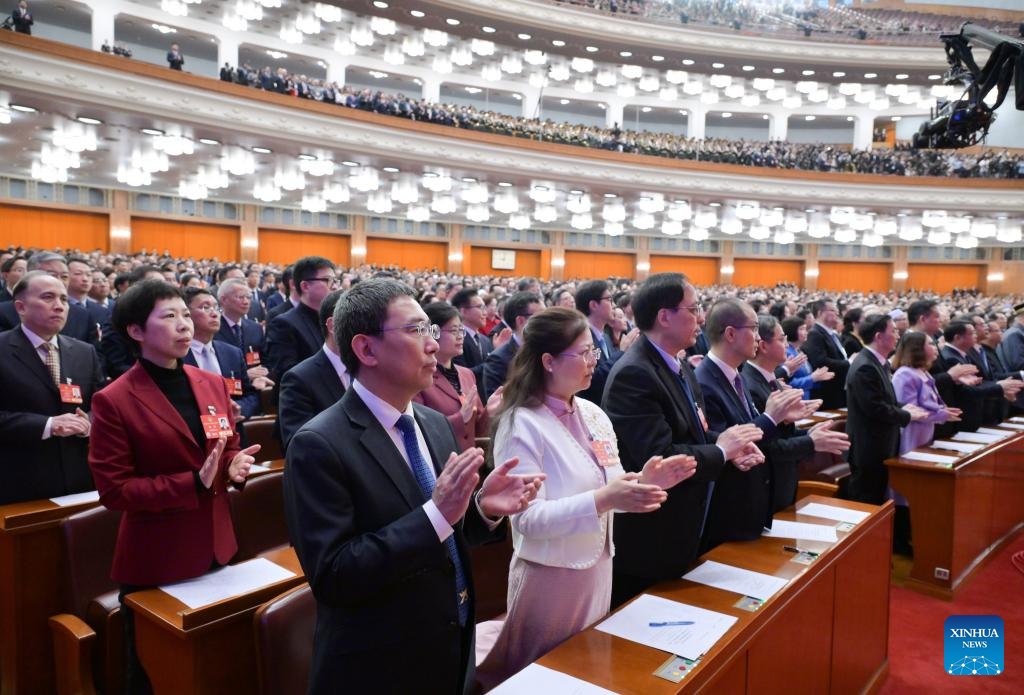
[(380, 508), (594, 300)]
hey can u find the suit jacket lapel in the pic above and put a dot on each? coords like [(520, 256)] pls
[(145, 390), (739, 412), (437, 457), (671, 383), (27, 355), (330, 379), (441, 382), (382, 449)]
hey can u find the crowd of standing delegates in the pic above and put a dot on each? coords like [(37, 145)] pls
[(672, 404)]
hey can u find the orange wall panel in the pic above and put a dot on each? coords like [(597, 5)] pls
[(942, 277), (527, 263), (284, 247), (755, 271), (858, 277), (49, 229), (701, 271), (410, 255), (590, 265), (186, 239)]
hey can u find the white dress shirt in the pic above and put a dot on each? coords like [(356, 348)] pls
[(37, 345), (206, 358), (339, 366)]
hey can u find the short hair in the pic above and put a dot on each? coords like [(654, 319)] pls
[(590, 291), (139, 274), (190, 293), (80, 259), (460, 300), (22, 286), (657, 292), (910, 352), (9, 263), (778, 310), (850, 319), (517, 304), (226, 286), (306, 269), (872, 325), (286, 278), (791, 327), (766, 326), (818, 306), (121, 278), (524, 284), (327, 309), (622, 300), (956, 329), (136, 304), (724, 313), (37, 259), (363, 310), (920, 309), (440, 313)]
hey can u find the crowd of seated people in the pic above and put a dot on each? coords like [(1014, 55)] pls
[(901, 161)]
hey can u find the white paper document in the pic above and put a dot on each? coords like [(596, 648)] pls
[(536, 679), (78, 498), (827, 416), (1017, 419), (929, 458), (962, 447), (739, 581), (804, 422), (1012, 425), (827, 511), (689, 641), (227, 582), (257, 468), (978, 437), (801, 531), (993, 430)]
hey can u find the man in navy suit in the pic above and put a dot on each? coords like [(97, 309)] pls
[(380, 508), (518, 310), (76, 324), (476, 346), (257, 312), (285, 299), (981, 403), (317, 382), (238, 329), (594, 300), (824, 349), (295, 335)]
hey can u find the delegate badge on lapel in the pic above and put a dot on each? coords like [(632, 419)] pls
[(234, 385), (252, 358), (604, 452), (215, 424), (70, 393), (700, 414)]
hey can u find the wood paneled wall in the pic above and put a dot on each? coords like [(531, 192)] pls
[(591, 264), (755, 271), (862, 277), (413, 255), (700, 270), (284, 247), (941, 277), (476, 260), (49, 229), (185, 238)]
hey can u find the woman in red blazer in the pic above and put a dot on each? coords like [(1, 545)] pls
[(454, 390), (163, 451)]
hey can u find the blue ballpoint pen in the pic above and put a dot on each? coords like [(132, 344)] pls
[(671, 623)]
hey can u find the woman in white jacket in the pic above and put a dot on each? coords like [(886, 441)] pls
[(561, 573)]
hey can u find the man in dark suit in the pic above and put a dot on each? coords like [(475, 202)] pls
[(380, 508), (295, 335), (476, 346), (594, 300), (656, 408), (824, 348), (317, 382), (12, 270), (790, 446), (518, 310), (257, 312), (740, 505), (48, 381), (238, 329), (989, 347), (1011, 349), (875, 416), (174, 57), (77, 323), (982, 403), (22, 18), (282, 293)]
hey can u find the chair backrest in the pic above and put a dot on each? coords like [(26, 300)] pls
[(284, 641), (490, 577), (815, 487), (89, 541), (257, 513), (260, 430)]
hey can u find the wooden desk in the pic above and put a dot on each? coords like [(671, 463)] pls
[(961, 514), (31, 590), (208, 649), (826, 632)]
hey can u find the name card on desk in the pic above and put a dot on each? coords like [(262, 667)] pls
[(227, 582), (536, 679), (78, 498), (979, 437), (962, 447), (736, 580), (801, 531), (691, 641), (827, 511), (929, 458)]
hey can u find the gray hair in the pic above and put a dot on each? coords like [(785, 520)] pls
[(362, 311), (41, 257), (25, 283), (766, 324), (228, 284)]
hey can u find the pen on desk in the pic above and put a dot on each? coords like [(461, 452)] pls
[(794, 549), (671, 623)]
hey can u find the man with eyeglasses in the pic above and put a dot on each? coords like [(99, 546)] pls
[(295, 335), (594, 300), (77, 324), (518, 310), (824, 348), (476, 346), (238, 329)]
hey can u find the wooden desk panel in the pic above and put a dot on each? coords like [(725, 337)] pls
[(31, 590)]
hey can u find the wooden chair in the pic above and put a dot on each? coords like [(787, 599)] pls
[(490, 576), (284, 641), (260, 430), (257, 514), (267, 402), (815, 487)]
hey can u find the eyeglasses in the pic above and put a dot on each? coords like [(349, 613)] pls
[(454, 330), (329, 281), (588, 356), (751, 326), (605, 299), (208, 309), (423, 329), (695, 309)]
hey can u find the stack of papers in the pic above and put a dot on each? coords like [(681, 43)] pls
[(978, 437), (929, 458), (79, 498), (227, 582), (800, 531), (1017, 419), (826, 415), (690, 641), (827, 511), (536, 679), (1012, 425), (962, 447), (739, 581)]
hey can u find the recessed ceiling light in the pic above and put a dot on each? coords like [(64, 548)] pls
[(474, 90), (646, 109), (839, 73), (849, 118), (517, 97), (602, 107), (718, 66), (897, 118), (147, 131), (625, 54), (89, 121), (715, 205), (524, 37), (563, 102), (504, 184), (575, 191), (902, 76), (453, 22), (350, 163), (657, 59), (22, 108), (380, 4), (809, 118), (687, 61), (488, 30), (778, 71), (307, 157), (262, 150), (557, 42), (934, 77), (610, 195), (390, 170), (468, 179), (418, 14), (764, 117), (807, 73), (209, 141), (870, 75), (727, 114), (591, 49), (748, 68)]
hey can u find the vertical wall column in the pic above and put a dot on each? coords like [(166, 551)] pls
[(227, 51), (995, 273), (557, 256), (249, 238), (336, 72), (358, 246), (695, 120), (863, 127), (811, 267), (898, 282), (120, 223), (643, 257), (431, 90), (455, 256), (613, 113), (531, 103), (725, 264), (103, 16), (778, 125)]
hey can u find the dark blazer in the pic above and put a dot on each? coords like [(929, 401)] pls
[(442, 397), (34, 468), (999, 372), (851, 343), (496, 367), (144, 457), (5, 294), (307, 389), (278, 309), (822, 351), (699, 347), (980, 403), (741, 502), (77, 325), (175, 60), (648, 409), (257, 312), (784, 453), (873, 425), (595, 391), (22, 21), (384, 584), (292, 337), (232, 365), (1011, 350), (251, 336), (472, 358), (274, 300), (115, 352)]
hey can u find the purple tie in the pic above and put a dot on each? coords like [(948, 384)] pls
[(737, 383)]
